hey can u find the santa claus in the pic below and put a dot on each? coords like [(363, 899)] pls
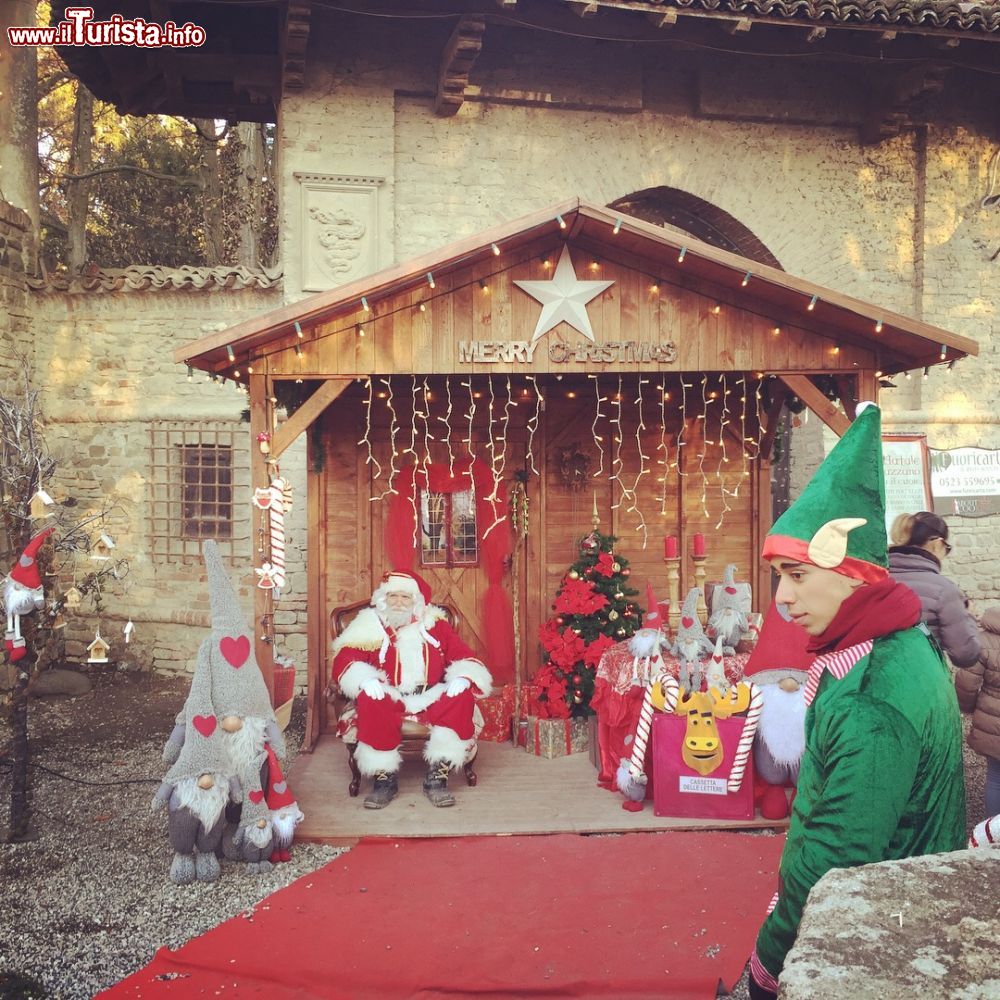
[(22, 594), (401, 657)]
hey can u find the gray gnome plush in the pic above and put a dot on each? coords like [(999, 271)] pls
[(198, 786), (254, 837), (691, 644), (239, 695), (728, 620)]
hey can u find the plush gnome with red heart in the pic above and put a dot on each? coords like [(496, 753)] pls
[(254, 836), (285, 812), (198, 787), (22, 594), (240, 698), (728, 620)]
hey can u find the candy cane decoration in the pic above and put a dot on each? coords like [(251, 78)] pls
[(746, 738), (276, 520), (631, 778), (986, 834)]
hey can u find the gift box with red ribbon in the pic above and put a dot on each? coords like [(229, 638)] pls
[(497, 712), (556, 737)]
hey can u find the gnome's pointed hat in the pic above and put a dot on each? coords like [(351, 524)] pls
[(25, 572), (279, 795), (238, 686), (203, 751), (838, 522), (255, 801), (653, 617)]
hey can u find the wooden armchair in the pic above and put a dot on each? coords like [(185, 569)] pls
[(415, 734)]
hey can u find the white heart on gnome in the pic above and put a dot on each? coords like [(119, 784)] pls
[(280, 787)]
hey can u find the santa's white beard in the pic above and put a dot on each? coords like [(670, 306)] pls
[(284, 822), (21, 600), (206, 803), (396, 619), (782, 726), (259, 836), (246, 744)]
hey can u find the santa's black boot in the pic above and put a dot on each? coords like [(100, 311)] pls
[(436, 784), (383, 792)]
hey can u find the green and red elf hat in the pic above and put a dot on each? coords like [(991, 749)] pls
[(838, 522)]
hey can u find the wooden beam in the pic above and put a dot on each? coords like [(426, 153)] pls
[(303, 417), (457, 60), (816, 34), (662, 19), (771, 422), (848, 395), (583, 9), (294, 41), (824, 408), (762, 521), (736, 25), (317, 637), (263, 601)]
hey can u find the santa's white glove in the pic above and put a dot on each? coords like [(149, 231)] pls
[(374, 689), (457, 686)]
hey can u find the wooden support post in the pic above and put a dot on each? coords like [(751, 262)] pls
[(824, 408), (761, 525), (260, 479), (303, 417), (317, 638), (674, 591)]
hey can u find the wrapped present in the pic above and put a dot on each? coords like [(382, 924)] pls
[(749, 638), (556, 737), (497, 712)]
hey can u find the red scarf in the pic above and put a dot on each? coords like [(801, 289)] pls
[(870, 612)]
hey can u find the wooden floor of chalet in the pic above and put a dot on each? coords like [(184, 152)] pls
[(517, 793)]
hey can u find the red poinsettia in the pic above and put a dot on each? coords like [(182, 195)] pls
[(604, 564), (551, 700), (596, 649), (565, 649), (578, 597)]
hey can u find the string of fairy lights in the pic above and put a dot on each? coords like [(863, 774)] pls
[(413, 445)]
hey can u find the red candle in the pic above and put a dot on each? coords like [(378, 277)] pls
[(670, 547), (699, 544)]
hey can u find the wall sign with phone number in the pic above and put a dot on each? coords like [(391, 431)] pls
[(965, 481)]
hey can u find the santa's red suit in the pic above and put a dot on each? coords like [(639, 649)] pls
[(416, 664)]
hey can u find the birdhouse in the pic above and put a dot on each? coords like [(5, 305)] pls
[(72, 598), (40, 504), (58, 621), (101, 549), (98, 650)]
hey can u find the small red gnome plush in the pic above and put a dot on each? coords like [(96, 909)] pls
[(23, 593), (285, 812)]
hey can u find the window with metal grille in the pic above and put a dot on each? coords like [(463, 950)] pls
[(197, 471), (448, 529)]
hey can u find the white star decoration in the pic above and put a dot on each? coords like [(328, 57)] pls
[(564, 299)]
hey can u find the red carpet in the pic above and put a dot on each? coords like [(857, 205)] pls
[(632, 917)]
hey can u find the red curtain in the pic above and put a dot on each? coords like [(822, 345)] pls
[(402, 534)]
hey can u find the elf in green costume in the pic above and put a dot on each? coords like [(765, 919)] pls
[(881, 777)]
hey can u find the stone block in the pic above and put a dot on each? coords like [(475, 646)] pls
[(921, 927)]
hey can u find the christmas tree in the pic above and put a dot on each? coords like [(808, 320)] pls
[(592, 612)]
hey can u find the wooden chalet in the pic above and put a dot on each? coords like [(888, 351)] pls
[(665, 420)]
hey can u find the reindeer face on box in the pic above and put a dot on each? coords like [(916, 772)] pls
[(702, 747)]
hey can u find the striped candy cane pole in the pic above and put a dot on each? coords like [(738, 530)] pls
[(746, 739), (276, 520), (636, 764)]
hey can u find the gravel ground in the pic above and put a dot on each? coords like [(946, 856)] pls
[(87, 901)]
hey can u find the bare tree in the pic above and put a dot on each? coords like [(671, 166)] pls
[(25, 466), (81, 158)]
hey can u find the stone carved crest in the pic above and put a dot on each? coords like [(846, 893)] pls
[(574, 466), (340, 235)]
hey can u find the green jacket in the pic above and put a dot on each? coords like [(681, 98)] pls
[(881, 776)]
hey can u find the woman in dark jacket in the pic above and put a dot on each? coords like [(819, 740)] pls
[(920, 542)]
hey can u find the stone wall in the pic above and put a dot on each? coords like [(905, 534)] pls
[(15, 311), (109, 378), (899, 223)]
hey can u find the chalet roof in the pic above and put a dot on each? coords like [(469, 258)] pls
[(153, 277), (901, 341)]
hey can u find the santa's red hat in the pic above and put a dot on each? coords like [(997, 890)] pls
[(279, 795), (654, 616), (410, 583), (25, 572)]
